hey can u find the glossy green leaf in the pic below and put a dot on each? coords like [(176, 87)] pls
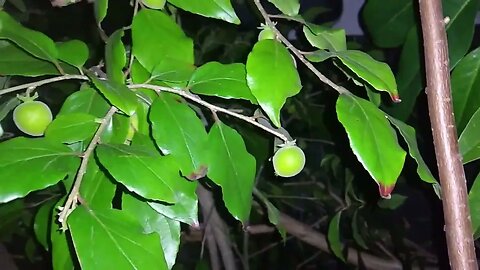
[(100, 8), (156, 4), (459, 32), (97, 189), (466, 88), (218, 9), (231, 167), (373, 96), (42, 224), (319, 56), (70, 128), (62, 253), (171, 118), (389, 23), (16, 61), (167, 229), (333, 236), (47, 164), (469, 141), (117, 94), (377, 74), (185, 210), (272, 77), (153, 31), (408, 134), (288, 7), (226, 81), (474, 204), (32, 41), (73, 52), (119, 240), (372, 139), (115, 57), (325, 38), (143, 172), (86, 100)]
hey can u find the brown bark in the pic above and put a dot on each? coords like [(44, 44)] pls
[(458, 226)]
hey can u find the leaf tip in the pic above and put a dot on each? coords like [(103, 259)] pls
[(385, 191), (396, 98)]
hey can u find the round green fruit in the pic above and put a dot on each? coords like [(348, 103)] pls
[(32, 117), (266, 33), (288, 161)]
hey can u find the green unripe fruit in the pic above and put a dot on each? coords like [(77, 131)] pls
[(266, 33), (32, 117), (288, 161)]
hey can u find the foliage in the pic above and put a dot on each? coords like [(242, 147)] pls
[(140, 125)]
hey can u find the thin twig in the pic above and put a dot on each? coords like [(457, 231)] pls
[(298, 54), (73, 197), (211, 107), (42, 82)]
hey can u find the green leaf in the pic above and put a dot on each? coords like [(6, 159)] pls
[(143, 172), (42, 224), (372, 139), (377, 74), (167, 229), (225, 81), (466, 88), (100, 8), (8, 106), (388, 23), (319, 56), (117, 94), (357, 232), (33, 42), (86, 100), (289, 7), (156, 4), (153, 31), (73, 52), (325, 38), (171, 118), (231, 167), (185, 210), (118, 240), (474, 204), (27, 165), (16, 61), (333, 236), (115, 57), (408, 134), (272, 212), (469, 141), (272, 77), (70, 128), (62, 253), (459, 32), (97, 189), (218, 9)]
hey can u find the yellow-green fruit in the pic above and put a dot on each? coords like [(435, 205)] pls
[(288, 161), (266, 33), (32, 117)]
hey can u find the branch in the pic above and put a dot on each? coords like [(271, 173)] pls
[(298, 54), (42, 82), (218, 227), (212, 107), (73, 197), (458, 227)]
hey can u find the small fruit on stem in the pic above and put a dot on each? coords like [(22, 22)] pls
[(32, 117), (289, 160)]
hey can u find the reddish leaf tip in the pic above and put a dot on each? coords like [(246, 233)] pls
[(199, 173), (396, 98), (385, 191)]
